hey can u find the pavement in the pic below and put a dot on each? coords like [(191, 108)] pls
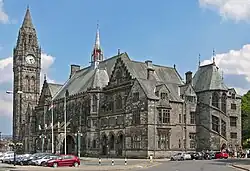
[(90, 165)]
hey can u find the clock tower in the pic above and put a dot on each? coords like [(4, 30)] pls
[(26, 68)]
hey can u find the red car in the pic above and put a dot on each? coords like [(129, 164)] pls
[(64, 160), (221, 155)]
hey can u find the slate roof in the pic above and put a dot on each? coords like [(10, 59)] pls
[(208, 78), (150, 87), (91, 77), (54, 88)]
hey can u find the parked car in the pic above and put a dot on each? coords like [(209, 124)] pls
[(221, 155), (27, 160), (7, 157), (181, 156), (41, 161), (64, 160), (196, 156)]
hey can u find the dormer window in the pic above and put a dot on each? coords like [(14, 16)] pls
[(233, 96), (164, 96), (157, 93)]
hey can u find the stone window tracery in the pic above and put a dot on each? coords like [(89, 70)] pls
[(164, 96), (215, 124), (224, 102), (27, 84), (136, 141), (164, 116), (136, 118), (192, 137), (163, 140), (32, 84), (119, 102), (215, 100), (94, 103), (118, 76), (223, 128)]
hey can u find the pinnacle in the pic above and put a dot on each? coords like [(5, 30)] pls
[(27, 22)]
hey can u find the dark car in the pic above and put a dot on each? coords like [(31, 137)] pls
[(64, 160)]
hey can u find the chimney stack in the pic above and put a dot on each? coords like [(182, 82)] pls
[(74, 69), (189, 77), (150, 70)]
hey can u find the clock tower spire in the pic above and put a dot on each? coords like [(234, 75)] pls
[(27, 69)]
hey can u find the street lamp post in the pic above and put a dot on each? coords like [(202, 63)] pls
[(12, 93), (15, 146), (42, 137), (78, 136)]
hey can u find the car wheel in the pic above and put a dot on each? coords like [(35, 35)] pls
[(55, 164), (76, 164), (43, 164)]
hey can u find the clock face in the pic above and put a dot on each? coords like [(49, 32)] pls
[(30, 59)]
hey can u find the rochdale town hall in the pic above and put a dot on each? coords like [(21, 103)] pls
[(117, 106)]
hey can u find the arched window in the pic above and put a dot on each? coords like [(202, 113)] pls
[(94, 103), (32, 84), (118, 102), (224, 102), (215, 100), (27, 84)]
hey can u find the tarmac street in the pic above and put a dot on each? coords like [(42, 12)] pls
[(199, 165)]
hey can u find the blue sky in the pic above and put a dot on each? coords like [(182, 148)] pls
[(167, 32)]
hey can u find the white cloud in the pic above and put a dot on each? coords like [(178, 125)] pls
[(238, 10), (4, 18), (6, 73), (234, 62)]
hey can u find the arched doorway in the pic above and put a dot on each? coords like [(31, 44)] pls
[(120, 142), (104, 144), (70, 145)]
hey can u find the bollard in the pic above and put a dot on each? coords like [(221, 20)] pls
[(151, 158), (126, 161), (113, 163), (100, 161)]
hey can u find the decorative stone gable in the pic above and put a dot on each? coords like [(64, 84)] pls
[(120, 74), (45, 94)]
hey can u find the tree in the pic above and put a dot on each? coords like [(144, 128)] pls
[(245, 114)]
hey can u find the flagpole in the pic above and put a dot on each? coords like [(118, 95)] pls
[(65, 125), (52, 128)]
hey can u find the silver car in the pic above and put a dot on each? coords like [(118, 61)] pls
[(42, 160)]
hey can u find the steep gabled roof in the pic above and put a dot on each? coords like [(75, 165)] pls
[(161, 73), (150, 86), (54, 88), (89, 77), (208, 78)]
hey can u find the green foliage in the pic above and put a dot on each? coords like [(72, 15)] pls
[(245, 114)]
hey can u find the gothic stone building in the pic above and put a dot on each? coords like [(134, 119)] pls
[(121, 107)]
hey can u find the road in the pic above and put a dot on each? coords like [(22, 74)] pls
[(162, 165), (198, 165)]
